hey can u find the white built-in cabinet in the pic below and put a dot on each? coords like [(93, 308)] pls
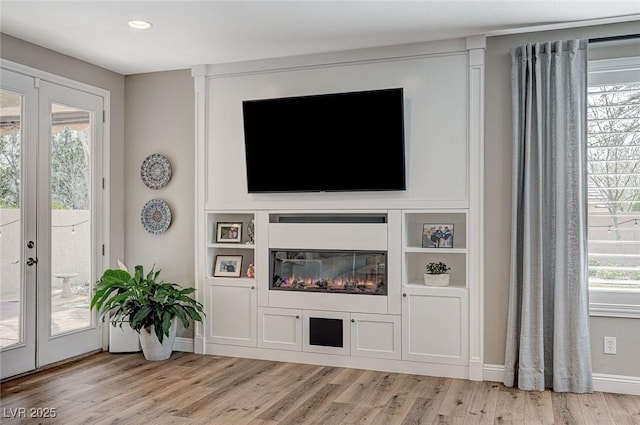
[(280, 328), (435, 319), (434, 325), (365, 335), (235, 318), (414, 328), (376, 336), (231, 302), (231, 312)]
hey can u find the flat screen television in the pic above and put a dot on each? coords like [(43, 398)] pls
[(339, 142)]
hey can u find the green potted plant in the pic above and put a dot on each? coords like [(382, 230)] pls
[(435, 274), (151, 307)]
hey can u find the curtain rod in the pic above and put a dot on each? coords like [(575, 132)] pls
[(614, 38)]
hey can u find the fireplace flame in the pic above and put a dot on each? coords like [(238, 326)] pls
[(328, 271), (329, 283)]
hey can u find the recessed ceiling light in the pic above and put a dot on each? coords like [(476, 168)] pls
[(139, 25)]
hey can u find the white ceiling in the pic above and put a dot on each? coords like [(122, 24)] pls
[(187, 33)]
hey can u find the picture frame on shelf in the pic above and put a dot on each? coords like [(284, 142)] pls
[(228, 266), (228, 232), (437, 235)]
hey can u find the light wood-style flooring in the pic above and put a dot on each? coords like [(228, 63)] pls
[(195, 389)]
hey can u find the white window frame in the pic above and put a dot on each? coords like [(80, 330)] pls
[(614, 302)]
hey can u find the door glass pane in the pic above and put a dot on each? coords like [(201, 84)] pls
[(11, 293), (70, 219)]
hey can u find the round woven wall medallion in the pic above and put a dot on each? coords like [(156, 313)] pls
[(155, 171), (156, 216)]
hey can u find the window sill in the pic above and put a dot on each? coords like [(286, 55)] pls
[(612, 302)]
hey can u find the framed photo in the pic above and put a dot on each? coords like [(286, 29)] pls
[(228, 266), (229, 232), (437, 235)]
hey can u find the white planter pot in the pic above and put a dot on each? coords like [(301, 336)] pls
[(152, 348), (436, 279), (123, 339)]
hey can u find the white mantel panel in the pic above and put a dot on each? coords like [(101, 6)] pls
[(332, 236), (436, 108), (355, 303)]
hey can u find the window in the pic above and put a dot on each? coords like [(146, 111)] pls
[(613, 168)]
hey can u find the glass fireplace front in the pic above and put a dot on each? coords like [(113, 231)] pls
[(344, 272)]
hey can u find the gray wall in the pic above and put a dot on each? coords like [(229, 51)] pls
[(160, 119), (498, 157), (19, 51)]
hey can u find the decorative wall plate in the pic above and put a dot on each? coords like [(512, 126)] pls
[(155, 171), (156, 216)]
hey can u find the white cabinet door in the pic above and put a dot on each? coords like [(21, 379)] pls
[(375, 335), (280, 328), (435, 325), (231, 316)]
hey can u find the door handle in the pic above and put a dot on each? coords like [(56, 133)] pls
[(31, 261)]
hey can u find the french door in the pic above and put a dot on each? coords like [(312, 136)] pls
[(51, 140)]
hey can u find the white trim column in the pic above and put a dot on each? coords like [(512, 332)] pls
[(199, 74), (476, 46)]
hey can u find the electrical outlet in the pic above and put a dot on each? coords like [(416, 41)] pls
[(610, 345)]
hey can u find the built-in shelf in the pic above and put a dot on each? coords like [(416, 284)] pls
[(241, 248), (435, 250), (416, 256), (231, 246), (453, 286), (237, 280)]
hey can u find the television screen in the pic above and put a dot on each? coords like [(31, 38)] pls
[(326, 143)]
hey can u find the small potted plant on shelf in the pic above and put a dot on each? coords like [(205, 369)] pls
[(435, 274), (152, 308)]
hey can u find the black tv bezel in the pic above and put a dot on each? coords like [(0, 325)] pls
[(391, 188)]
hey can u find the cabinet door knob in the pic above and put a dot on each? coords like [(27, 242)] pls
[(297, 316), (353, 320), (253, 287), (404, 295)]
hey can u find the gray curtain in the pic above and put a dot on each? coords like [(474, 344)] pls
[(548, 342)]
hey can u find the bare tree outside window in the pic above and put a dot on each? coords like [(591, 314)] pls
[(614, 184)]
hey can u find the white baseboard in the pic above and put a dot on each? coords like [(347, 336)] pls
[(616, 384), (493, 373), (601, 382), (183, 344)]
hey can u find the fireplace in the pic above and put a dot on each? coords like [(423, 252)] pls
[(340, 272)]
